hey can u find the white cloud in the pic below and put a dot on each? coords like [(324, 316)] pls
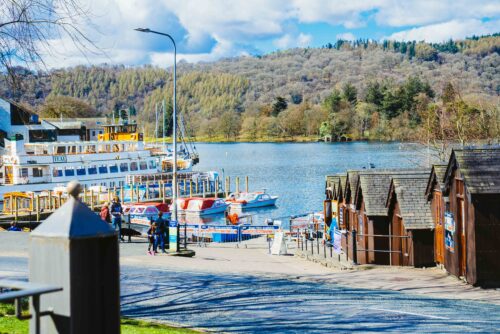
[(346, 36), (454, 29), (210, 29), (291, 41)]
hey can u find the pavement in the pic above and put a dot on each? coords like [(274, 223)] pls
[(229, 289)]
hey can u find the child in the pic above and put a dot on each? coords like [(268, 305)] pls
[(151, 238)]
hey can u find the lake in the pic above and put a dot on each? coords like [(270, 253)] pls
[(296, 171)]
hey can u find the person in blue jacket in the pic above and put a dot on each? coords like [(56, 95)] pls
[(161, 228), (116, 216), (14, 228)]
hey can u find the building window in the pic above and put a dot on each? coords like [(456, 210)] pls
[(152, 164), (80, 170), (24, 172), (124, 167), (93, 170), (103, 169), (133, 166), (37, 172), (143, 165), (113, 169), (57, 172), (69, 171), (93, 133)]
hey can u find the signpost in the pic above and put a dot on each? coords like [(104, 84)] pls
[(173, 228)]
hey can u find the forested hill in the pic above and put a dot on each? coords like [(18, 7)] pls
[(361, 89)]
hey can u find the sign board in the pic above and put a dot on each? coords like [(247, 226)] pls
[(337, 241), (59, 159), (449, 231), (259, 230), (172, 236), (279, 244)]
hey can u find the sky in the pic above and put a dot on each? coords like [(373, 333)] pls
[(207, 30)]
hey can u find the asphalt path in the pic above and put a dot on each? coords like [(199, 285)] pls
[(259, 304)]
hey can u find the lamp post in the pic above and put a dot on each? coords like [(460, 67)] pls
[(174, 116)]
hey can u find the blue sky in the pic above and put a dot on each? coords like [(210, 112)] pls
[(208, 30)]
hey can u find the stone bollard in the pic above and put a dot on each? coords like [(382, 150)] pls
[(76, 250)]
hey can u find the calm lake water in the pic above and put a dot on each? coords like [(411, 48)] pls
[(296, 172)]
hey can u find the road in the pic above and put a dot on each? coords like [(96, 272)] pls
[(258, 303)]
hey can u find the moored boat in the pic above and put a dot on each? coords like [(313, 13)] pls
[(141, 215), (251, 200), (206, 206)]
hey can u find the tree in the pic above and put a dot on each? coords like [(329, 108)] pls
[(374, 93), (229, 124), (349, 93), (332, 102), (27, 27), (124, 114), (279, 105), (67, 107)]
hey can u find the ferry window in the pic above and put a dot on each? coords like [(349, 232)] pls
[(143, 165), (37, 172), (57, 172), (61, 150), (69, 171), (92, 170), (72, 149), (80, 170), (103, 169), (93, 133), (113, 169), (133, 166), (152, 164), (124, 167), (24, 172)]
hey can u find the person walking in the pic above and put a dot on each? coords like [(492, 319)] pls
[(160, 232), (116, 216), (105, 215), (152, 238)]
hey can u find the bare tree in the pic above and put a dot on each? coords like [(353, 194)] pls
[(27, 26)]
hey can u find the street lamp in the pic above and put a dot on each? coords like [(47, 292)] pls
[(174, 178)]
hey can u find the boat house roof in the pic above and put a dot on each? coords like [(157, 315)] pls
[(480, 169), (408, 191)]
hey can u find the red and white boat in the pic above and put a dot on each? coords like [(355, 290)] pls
[(206, 206)]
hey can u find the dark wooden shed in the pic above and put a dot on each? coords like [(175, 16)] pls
[(434, 194), (411, 224), (472, 216)]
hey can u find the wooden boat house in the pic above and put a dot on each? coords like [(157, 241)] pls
[(434, 194), (472, 215), (411, 224)]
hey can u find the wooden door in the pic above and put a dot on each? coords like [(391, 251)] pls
[(462, 247), (439, 231)]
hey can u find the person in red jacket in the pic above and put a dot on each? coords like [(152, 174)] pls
[(105, 215)]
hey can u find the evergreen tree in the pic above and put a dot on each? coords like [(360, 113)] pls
[(279, 105)]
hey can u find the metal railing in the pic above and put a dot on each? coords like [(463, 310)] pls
[(17, 290)]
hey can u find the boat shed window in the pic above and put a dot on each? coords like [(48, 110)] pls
[(103, 169), (57, 172), (143, 165), (124, 167), (133, 166), (69, 171), (92, 170), (113, 169), (80, 170)]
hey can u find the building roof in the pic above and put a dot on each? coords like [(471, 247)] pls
[(333, 182), (480, 169), (89, 123), (64, 125), (374, 185), (436, 176), (414, 208)]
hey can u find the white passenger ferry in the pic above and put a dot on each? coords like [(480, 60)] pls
[(36, 157)]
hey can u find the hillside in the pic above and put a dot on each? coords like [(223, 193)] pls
[(362, 89)]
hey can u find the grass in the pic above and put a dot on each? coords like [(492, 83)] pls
[(9, 324)]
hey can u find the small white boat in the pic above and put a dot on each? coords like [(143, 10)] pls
[(206, 206), (251, 200), (141, 215)]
